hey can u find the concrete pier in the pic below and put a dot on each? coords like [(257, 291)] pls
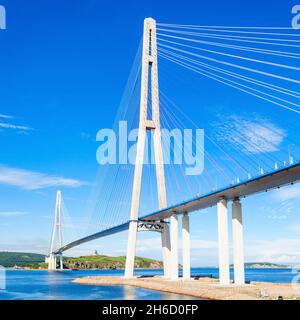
[(131, 247), (166, 247), (186, 259), (174, 246), (51, 260), (238, 249), (223, 242)]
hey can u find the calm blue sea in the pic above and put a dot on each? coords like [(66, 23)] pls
[(23, 284)]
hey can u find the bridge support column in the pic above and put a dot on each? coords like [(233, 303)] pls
[(56, 241), (238, 249), (186, 246), (51, 262), (174, 246), (149, 78), (223, 242), (61, 265), (166, 247), (131, 247)]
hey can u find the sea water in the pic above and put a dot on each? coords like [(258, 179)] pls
[(58, 285)]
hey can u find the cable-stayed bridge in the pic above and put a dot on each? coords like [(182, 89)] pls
[(180, 45)]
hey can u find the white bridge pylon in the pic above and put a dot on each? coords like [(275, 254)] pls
[(169, 236), (149, 70), (56, 240)]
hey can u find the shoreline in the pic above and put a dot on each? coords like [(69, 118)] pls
[(122, 269), (46, 269), (203, 288)]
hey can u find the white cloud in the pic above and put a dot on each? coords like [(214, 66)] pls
[(287, 193), (281, 211), (32, 180), (13, 126), (251, 136), (282, 250), (12, 213), (6, 125), (295, 228), (34, 245)]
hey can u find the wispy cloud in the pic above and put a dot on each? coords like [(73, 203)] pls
[(13, 126), (287, 193), (251, 136), (5, 116), (295, 228), (280, 212), (35, 245), (12, 213), (4, 124), (32, 180), (281, 250)]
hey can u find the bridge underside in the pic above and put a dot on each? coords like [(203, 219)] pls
[(276, 179), (259, 184)]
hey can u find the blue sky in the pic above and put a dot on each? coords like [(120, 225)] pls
[(63, 70)]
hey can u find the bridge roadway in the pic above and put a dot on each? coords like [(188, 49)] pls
[(262, 183)]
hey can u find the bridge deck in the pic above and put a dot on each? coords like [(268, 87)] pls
[(258, 184), (246, 188)]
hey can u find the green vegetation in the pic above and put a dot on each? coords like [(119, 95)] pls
[(37, 261), (43, 265), (107, 262), (20, 259)]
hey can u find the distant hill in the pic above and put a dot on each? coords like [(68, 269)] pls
[(264, 265), (108, 262), (36, 261), (21, 259)]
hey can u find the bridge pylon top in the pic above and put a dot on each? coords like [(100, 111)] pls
[(149, 21)]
